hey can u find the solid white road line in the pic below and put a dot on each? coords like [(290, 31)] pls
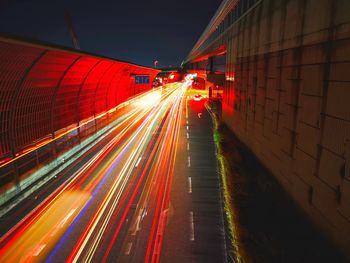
[(38, 250), (189, 185), (191, 227), (128, 248), (138, 162)]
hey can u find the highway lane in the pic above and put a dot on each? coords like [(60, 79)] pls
[(120, 119), (195, 229), (91, 211), (148, 192)]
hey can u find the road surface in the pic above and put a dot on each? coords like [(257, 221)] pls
[(148, 192)]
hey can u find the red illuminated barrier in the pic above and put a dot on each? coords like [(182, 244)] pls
[(45, 88)]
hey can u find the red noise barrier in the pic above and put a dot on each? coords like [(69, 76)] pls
[(45, 88)]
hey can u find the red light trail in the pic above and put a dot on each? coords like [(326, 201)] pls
[(125, 188)]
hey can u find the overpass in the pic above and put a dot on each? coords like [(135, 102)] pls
[(286, 96)]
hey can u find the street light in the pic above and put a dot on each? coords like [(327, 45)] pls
[(155, 63)]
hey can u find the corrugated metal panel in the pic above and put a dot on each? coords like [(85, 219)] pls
[(44, 89)]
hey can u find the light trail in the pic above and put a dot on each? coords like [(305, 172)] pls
[(154, 175), (125, 174), (36, 213), (135, 167), (163, 196)]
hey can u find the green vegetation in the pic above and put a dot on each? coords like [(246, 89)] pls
[(262, 221), (230, 213)]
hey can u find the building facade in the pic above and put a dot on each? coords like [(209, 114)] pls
[(287, 96)]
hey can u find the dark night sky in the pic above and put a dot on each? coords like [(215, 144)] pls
[(138, 31)]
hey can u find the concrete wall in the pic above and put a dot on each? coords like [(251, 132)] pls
[(289, 101)]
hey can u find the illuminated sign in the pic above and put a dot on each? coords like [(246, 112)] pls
[(142, 80)]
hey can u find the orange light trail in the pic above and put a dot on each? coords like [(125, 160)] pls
[(149, 129)]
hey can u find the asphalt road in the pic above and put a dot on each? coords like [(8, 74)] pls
[(149, 192), (195, 231)]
